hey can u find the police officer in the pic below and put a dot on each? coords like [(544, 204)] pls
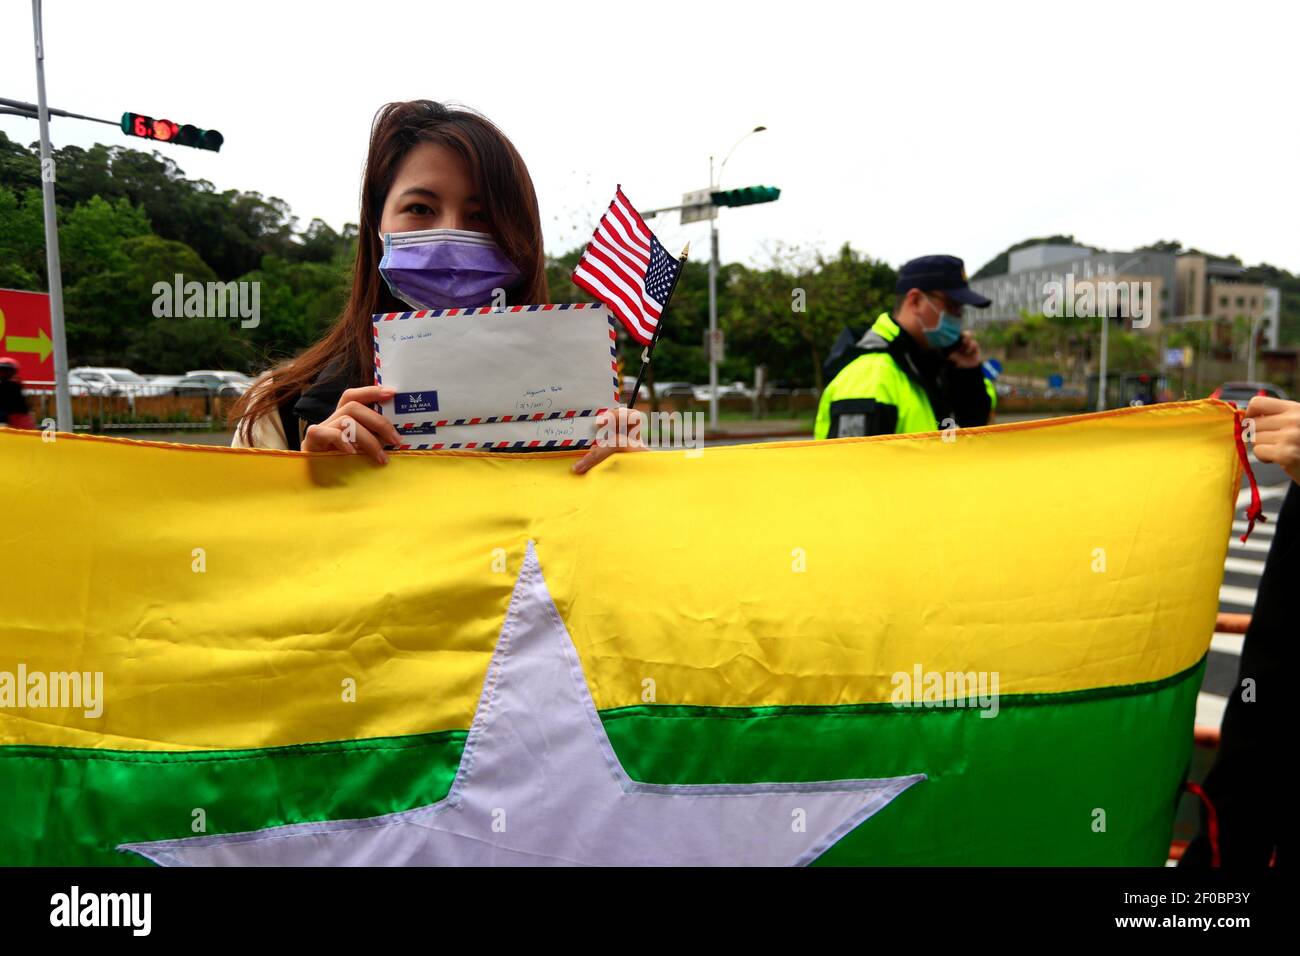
[(916, 371)]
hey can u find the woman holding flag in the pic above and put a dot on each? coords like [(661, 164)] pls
[(429, 167)]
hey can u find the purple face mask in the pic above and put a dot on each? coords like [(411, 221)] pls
[(445, 268)]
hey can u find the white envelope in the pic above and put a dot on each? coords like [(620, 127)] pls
[(520, 377)]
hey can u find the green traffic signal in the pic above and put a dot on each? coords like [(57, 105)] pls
[(748, 196)]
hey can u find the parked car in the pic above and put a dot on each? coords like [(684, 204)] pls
[(1240, 393), (111, 381), (225, 384), (734, 390), (165, 384), (642, 395), (676, 390), (233, 378), (77, 386)]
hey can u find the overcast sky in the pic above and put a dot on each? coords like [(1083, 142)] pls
[(903, 128)]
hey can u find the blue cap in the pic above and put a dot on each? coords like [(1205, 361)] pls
[(946, 274)]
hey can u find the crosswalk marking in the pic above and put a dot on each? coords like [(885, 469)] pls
[(1252, 545), (1227, 643), (1225, 649), (1209, 709), (1272, 491), (1263, 529), (1237, 596), (1243, 566)]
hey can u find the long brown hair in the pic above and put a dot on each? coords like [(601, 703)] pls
[(506, 192)]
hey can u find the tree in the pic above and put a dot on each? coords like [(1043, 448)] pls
[(22, 240), (91, 236), (800, 303), (108, 310), (298, 301)]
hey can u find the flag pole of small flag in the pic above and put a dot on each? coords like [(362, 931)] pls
[(628, 270)]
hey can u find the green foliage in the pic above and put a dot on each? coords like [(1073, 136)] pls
[(109, 310), (129, 220), (22, 239), (298, 302)]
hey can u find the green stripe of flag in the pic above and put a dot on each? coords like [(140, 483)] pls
[(1024, 787)]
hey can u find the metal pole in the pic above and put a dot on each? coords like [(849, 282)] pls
[(1101, 373), (1254, 334), (62, 398), (713, 313)]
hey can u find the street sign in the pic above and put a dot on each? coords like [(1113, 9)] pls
[(1178, 358), (25, 333), (698, 206), (714, 350)]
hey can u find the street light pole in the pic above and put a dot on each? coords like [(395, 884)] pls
[(62, 397), (713, 310), (1254, 334), (713, 280), (1102, 369)]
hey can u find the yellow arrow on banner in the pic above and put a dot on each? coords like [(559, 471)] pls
[(39, 344)]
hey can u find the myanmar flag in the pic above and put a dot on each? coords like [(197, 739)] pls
[(981, 647)]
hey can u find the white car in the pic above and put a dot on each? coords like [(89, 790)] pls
[(734, 390), (111, 381), (234, 378), (674, 390), (642, 395), (76, 385), (225, 384)]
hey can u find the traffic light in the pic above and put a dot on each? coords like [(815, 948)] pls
[(165, 131), (748, 196)]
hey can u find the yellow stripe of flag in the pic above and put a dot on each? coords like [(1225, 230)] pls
[(231, 598)]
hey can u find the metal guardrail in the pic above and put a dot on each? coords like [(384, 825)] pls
[(127, 406)]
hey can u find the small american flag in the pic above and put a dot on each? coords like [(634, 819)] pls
[(626, 268)]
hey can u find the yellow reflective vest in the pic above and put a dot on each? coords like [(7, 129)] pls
[(895, 386)]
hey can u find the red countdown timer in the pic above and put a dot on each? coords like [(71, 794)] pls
[(165, 131)]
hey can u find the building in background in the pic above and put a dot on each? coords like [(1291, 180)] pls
[(1218, 290), (1032, 271), (1184, 286)]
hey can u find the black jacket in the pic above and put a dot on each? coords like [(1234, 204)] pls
[(956, 394)]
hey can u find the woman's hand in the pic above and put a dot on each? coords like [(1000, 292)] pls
[(1277, 432), (355, 426), (618, 429)]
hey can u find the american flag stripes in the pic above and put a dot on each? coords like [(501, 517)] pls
[(626, 268)]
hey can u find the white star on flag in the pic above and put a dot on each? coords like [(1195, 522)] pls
[(539, 784)]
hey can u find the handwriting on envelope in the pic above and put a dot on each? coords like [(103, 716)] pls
[(523, 376)]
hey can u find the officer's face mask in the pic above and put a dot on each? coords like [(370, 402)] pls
[(445, 268), (947, 333)]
